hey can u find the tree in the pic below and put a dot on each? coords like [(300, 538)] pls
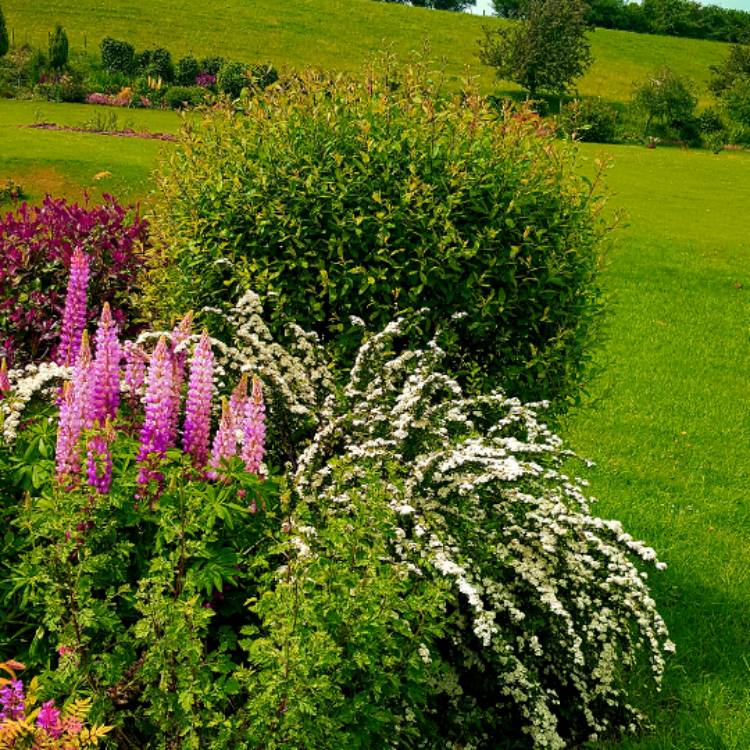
[(3, 35), (58, 48), (667, 99), (734, 69), (545, 52)]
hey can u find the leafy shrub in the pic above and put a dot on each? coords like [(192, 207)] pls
[(669, 102), (36, 246), (187, 71), (232, 78), (737, 102), (262, 76), (58, 48), (178, 97), (552, 611), (211, 65), (712, 128), (363, 198), (117, 56), (589, 120), (156, 63), (64, 88)]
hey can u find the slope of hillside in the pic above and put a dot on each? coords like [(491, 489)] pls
[(337, 35)]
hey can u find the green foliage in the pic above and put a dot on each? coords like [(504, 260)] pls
[(232, 78), (117, 56), (58, 48), (546, 51), (668, 101), (589, 120), (186, 71), (211, 65), (346, 651), (737, 102), (370, 198), (66, 88), (4, 41), (262, 76), (156, 63), (179, 97)]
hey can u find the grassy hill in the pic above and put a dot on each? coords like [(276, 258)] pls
[(338, 35)]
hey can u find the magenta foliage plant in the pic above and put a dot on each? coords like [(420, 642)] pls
[(37, 245)]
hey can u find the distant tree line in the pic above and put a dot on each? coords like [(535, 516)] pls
[(673, 17)]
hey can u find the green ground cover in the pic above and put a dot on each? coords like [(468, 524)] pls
[(338, 35)]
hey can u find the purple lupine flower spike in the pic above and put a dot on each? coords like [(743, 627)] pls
[(75, 397), (74, 317), (105, 385), (254, 429), (180, 336), (197, 425), (238, 399), (158, 412), (99, 459), (225, 440), (4, 381), (135, 369)]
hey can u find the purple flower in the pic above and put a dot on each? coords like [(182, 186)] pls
[(225, 440), (197, 425), (72, 413), (180, 336), (238, 399), (99, 459), (205, 79), (48, 719), (74, 317), (12, 701), (135, 369), (159, 408), (4, 382), (105, 382), (254, 429)]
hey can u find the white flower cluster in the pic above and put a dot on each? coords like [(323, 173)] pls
[(41, 380), (556, 605)]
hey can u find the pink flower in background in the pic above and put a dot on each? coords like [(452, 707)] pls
[(4, 381), (254, 429), (159, 409), (74, 317), (197, 424), (105, 381), (135, 369), (48, 719), (225, 439), (180, 336), (238, 399)]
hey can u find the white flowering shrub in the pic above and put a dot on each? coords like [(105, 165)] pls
[(553, 605)]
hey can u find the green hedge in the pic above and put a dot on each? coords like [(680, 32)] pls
[(339, 198)]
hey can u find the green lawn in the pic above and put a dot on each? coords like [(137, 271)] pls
[(66, 164), (670, 429), (339, 35)]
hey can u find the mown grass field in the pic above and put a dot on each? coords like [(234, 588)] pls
[(669, 427), (66, 164), (340, 35)]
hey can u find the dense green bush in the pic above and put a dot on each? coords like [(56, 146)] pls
[(211, 65), (668, 100), (737, 102), (232, 78), (178, 97), (58, 48), (117, 56), (340, 198), (590, 120), (186, 71), (262, 76), (157, 63)]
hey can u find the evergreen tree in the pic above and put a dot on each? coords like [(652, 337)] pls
[(58, 48)]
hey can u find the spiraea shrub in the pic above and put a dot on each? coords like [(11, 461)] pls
[(376, 196)]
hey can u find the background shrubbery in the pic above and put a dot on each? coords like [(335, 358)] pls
[(35, 249), (371, 197)]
